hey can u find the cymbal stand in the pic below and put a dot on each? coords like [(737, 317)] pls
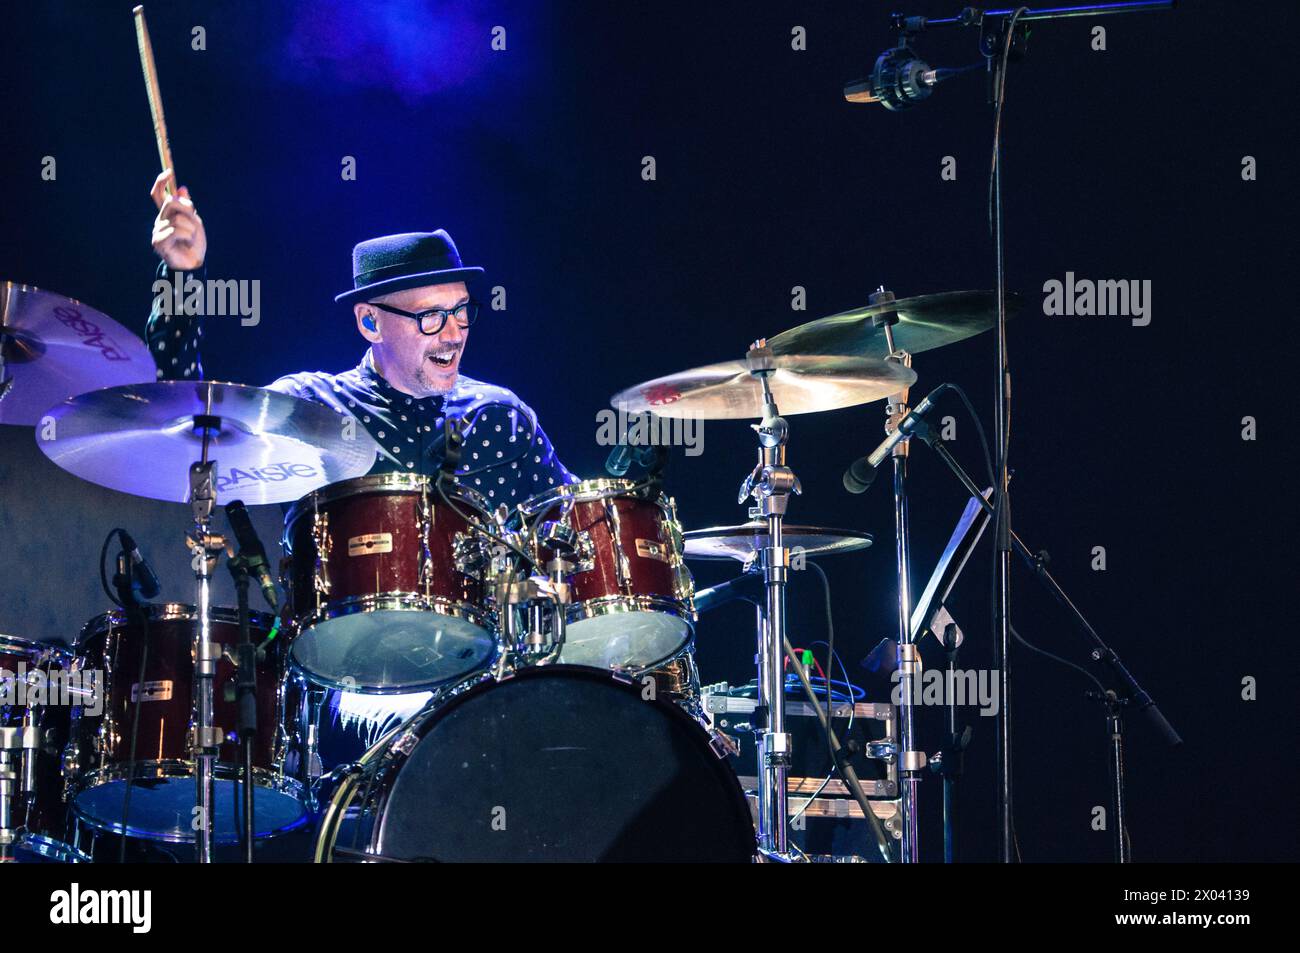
[(770, 484), (205, 547), (910, 760), (6, 382)]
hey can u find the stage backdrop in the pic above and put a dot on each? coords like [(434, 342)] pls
[(55, 525), (769, 201)]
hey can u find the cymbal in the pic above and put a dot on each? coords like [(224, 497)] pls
[(742, 542), (55, 347), (269, 448), (801, 384), (925, 322)]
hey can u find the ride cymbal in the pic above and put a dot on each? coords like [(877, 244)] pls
[(924, 322)]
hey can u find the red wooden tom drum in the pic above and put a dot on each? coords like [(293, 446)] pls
[(382, 596), (98, 760), (633, 597)]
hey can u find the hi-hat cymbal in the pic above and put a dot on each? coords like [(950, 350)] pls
[(269, 447), (742, 542), (55, 347), (925, 322), (801, 384)]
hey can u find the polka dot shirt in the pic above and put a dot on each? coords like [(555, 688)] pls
[(507, 456)]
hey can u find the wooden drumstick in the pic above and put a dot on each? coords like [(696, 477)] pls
[(155, 96)]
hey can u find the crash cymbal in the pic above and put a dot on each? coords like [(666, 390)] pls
[(742, 542), (54, 347), (801, 384), (269, 447), (925, 322)]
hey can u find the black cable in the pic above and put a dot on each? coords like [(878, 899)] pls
[(979, 429), (1000, 96), (474, 523), (1001, 514), (845, 768), (135, 726), (1015, 634), (830, 654), (442, 476), (838, 765), (142, 614), (1063, 661), (527, 444), (103, 578)]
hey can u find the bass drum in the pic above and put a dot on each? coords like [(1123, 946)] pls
[(556, 763)]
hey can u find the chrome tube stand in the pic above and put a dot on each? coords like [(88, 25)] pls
[(770, 484), (205, 549), (6, 382), (910, 761)]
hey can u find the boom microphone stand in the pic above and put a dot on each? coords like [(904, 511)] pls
[(1134, 694), (900, 80)]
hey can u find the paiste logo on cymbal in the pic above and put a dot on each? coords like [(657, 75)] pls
[(236, 478), (91, 334)]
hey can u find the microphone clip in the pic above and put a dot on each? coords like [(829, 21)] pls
[(453, 445)]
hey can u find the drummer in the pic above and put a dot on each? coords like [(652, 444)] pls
[(411, 302)]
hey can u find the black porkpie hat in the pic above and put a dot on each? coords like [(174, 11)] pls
[(391, 263)]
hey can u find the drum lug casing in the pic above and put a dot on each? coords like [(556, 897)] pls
[(426, 528), (320, 525)]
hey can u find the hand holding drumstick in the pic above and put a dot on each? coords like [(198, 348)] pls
[(178, 235)]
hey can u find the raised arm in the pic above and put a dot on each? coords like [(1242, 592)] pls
[(182, 244)]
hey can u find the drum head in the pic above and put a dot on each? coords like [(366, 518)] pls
[(35, 849), (392, 650), (162, 804), (33, 653), (632, 640), (563, 764)]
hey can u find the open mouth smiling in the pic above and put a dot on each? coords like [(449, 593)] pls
[(445, 358)]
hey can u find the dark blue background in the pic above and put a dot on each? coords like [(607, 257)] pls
[(1119, 164)]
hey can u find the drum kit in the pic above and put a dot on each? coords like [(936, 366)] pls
[(556, 638)]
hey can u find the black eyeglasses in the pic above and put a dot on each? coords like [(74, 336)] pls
[(435, 319)]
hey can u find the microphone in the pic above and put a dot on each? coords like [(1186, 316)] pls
[(250, 547), (900, 79), (619, 459), (746, 586), (622, 457), (862, 472), (143, 573), (453, 434)]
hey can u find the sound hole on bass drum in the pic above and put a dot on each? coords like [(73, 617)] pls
[(556, 763)]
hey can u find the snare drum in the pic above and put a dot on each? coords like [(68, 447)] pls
[(163, 789), (632, 595), (384, 596)]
